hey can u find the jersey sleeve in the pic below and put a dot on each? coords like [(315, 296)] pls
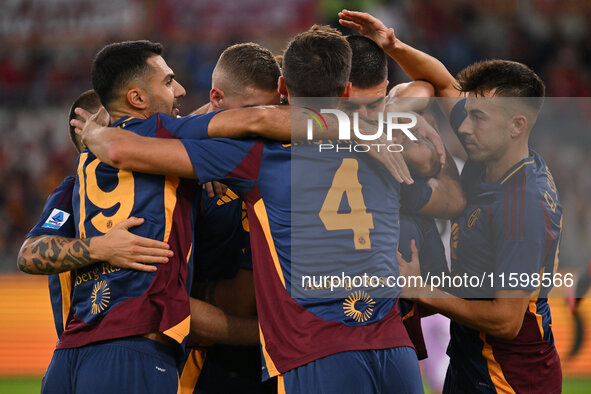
[(414, 197), (235, 162), (191, 127), (409, 230), (57, 218), (520, 233)]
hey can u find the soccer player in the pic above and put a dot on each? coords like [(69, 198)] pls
[(143, 317), (511, 225), (51, 247), (246, 74), (368, 77), (306, 338)]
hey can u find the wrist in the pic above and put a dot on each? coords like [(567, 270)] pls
[(95, 249), (395, 48)]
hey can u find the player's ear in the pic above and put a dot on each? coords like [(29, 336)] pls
[(216, 98), (347, 91), (282, 86), (518, 125), (384, 88), (137, 98)]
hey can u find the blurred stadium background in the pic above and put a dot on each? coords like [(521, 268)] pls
[(48, 46)]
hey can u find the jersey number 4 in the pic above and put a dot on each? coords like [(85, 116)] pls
[(346, 182)]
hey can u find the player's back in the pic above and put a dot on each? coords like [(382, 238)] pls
[(109, 302), (293, 201), (329, 214)]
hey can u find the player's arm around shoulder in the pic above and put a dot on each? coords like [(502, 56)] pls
[(270, 122), (128, 151), (53, 254)]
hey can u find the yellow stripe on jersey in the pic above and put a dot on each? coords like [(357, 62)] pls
[(82, 194), (533, 308), (515, 170), (66, 286), (280, 385), (180, 331), (271, 368), (261, 213), (189, 254), (126, 120), (557, 248), (191, 371), (170, 186), (494, 369), (411, 313)]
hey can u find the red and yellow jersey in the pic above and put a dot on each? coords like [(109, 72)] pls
[(510, 235), (338, 216), (109, 302)]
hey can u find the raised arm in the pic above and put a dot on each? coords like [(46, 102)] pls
[(416, 64), (52, 254), (410, 96)]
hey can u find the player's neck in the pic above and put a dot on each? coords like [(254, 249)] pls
[(497, 167), (119, 113)]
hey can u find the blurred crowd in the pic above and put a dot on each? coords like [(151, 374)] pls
[(38, 81)]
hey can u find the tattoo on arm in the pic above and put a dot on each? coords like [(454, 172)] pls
[(54, 254)]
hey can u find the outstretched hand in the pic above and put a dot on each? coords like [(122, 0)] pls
[(126, 250), (89, 123), (369, 26)]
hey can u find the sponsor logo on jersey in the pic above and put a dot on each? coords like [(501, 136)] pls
[(359, 306), (100, 297)]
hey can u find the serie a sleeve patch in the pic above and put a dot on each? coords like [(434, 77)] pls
[(56, 219)]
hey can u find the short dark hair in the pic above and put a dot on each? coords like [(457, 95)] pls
[(279, 59), (317, 63), (118, 63), (510, 79), (369, 65), (89, 101), (250, 65)]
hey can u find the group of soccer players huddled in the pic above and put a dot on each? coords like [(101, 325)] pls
[(191, 254)]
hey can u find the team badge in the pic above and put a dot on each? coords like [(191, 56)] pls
[(359, 305), (56, 219), (473, 218), (101, 294)]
